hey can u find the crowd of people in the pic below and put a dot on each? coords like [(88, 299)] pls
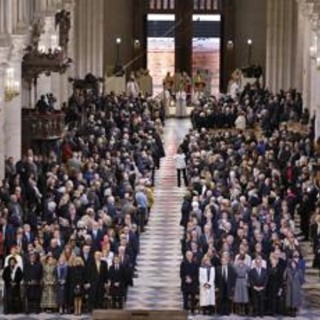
[(253, 105), (241, 248), (70, 223)]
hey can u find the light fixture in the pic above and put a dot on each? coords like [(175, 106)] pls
[(54, 41), (42, 48), (230, 44), (136, 43), (11, 86), (318, 63), (249, 42), (118, 69), (313, 52)]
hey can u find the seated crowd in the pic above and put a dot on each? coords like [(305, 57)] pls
[(70, 222), (252, 105), (241, 251)]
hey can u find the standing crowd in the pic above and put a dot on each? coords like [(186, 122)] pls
[(70, 222), (246, 109), (240, 245)]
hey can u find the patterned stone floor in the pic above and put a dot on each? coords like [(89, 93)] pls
[(157, 285)]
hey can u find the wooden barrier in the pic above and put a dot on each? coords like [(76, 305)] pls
[(108, 314)]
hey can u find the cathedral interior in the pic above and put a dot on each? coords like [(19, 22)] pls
[(159, 159)]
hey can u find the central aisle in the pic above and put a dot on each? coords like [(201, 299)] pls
[(158, 264)]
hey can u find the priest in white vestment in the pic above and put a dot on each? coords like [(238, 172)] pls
[(207, 288), (181, 104)]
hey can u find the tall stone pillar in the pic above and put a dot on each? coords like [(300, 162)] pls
[(306, 64), (298, 49), (183, 36), (280, 44), (12, 124), (70, 6), (289, 21), (23, 13), (89, 15), (4, 52), (3, 17), (272, 44)]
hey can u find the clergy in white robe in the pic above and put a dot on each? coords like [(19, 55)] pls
[(206, 281), (132, 88), (181, 104)]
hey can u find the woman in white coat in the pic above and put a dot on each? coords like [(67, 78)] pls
[(241, 122), (207, 289)]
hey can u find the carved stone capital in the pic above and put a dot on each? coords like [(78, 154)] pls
[(4, 56), (19, 42), (69, 5)]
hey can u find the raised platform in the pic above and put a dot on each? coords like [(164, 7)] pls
[(139, 315)]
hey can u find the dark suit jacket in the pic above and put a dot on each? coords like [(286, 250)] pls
[(117, 276), (9, 237), (190, 270), (226, 288), (26, 242), (258, 281), (134, 243), (97, 280), (87, 265), (96, 241)]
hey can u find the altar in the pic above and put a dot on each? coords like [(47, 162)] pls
[(115, 84)]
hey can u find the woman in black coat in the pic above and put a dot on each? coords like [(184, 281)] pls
[(274, 287), (189, 281), (76, 277), (12, 276)]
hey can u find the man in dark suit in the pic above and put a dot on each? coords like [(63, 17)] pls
[(127, 267), (27, 238), (258, 279), (87, 257), (97, 236), (33, 276), (8, 235), (225, 283), (98, 280), (132, 242), (117, 279)]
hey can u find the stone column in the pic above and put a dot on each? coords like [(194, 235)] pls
[(23, 14), (280, 44), (3, 17), (70, 6), (270, 43), (12, 124), (99, 38), (288, 42), (89, 37), (313, 64), (306, 65), (183, 36), (299, 50), (4, 51)]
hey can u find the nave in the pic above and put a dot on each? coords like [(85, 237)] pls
[(158, 284)]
